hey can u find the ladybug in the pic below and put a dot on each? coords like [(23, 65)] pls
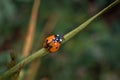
[(52, 43)]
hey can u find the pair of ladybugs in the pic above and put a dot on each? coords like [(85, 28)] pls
[(52, 43)]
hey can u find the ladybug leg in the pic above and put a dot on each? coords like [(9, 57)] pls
[(47, 45), (56, 47), (49, 48)]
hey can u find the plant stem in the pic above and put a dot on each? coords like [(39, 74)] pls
[(25, 61), (43, 52), (82, 26)]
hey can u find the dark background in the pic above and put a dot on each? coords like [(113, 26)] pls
[(93, 54)]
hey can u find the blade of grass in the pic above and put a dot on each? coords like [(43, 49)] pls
[(31, 29), (30, 33), (82, 26), (42, 51)]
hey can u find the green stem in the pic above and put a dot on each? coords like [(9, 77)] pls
[(42, 51), (82, 26), (25, 61)]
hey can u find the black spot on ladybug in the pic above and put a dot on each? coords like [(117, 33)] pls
[(56, 47), (46, 41)]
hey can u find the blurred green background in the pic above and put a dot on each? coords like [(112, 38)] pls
[(93, 54)]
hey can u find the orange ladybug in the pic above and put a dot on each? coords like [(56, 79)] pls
[(52, 43)]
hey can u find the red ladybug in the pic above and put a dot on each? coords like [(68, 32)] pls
[(52, 43)]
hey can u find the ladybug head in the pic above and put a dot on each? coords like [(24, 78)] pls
[(59, 38)]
